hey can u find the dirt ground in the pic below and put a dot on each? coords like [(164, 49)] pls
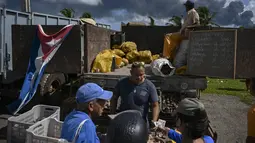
[(228, 116)]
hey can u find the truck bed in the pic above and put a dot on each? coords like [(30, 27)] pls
[(125, 71), (173, 83)]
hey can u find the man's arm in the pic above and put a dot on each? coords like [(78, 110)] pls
[(154, 102), (114, 100)]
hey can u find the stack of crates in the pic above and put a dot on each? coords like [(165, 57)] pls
[(16, 129), (45, 131)]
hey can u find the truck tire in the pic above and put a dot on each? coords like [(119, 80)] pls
[(49, 85)]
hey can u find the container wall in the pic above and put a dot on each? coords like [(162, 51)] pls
[(8, 18), (96, 40)]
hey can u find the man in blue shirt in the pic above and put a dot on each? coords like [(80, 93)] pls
[(136, 93), (91, 100)]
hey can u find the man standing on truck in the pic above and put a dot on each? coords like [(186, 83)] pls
[(78, 126), (136, 93)]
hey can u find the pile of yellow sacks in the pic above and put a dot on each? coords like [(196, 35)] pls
[(124, 54), (128, 50)]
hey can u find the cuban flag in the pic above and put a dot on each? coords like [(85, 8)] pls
[(43, 49)]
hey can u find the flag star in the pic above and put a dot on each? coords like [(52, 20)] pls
[(53, 42)]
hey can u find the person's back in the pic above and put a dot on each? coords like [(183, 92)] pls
[(70, 126)]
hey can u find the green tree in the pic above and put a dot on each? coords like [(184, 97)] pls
[(86, 15), (68, 12), (175, 21), (152, 21), (206, 17)]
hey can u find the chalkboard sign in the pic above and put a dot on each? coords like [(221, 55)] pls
[(212, 53), (245, 65)]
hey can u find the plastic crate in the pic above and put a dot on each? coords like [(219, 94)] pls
[(45, 131), (16, 131)]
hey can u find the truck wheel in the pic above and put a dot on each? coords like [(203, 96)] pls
[(50, 83)]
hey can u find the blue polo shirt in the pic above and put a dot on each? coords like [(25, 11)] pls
[(177, 137), (136, 97), (88, 132)]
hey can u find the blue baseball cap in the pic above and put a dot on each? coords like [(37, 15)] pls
[(92, 91)]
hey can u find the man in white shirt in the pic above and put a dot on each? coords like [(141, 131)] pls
[(173, 40), (192, 17)]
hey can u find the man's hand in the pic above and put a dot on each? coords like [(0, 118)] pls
[(164, 130), (153, 125)]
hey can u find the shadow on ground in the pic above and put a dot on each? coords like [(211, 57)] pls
[(231, 89)]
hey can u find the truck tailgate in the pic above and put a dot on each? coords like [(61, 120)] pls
[(172, 83)]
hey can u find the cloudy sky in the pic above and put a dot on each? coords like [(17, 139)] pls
[(230, 12)]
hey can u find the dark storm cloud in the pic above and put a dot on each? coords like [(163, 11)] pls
[(235, 14), (232, 14)]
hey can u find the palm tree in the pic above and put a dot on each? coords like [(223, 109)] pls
[(68, 12), (152, 21), (206, 17), (175, 21), (86, 15)]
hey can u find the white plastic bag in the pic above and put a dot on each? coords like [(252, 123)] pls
[(157, 65), (181, 55)]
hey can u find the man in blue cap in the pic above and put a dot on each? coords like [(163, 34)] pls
[(78, 126)]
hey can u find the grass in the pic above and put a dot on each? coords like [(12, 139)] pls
[(229, 87)]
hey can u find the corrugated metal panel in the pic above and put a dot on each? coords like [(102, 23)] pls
[(44, 19), (8, 18)]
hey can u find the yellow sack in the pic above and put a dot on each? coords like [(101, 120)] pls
[(103, 61), (145, 56), (119, 52), (181, 70), (171, 42), (132, 56), (116, 47), (155, 57), (128, 47), (118, 60), (125, 61)]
